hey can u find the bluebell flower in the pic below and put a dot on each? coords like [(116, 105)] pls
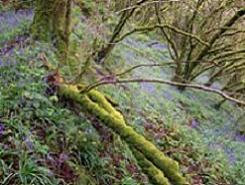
[(1, 63), (240, 137), (28, 142), (232, 158), (2, 128)]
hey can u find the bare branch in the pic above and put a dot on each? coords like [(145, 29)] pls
[(168, 82), (145, 4), (142, 65), (230, 53), (171, 44), (216, 36), (173, 28)]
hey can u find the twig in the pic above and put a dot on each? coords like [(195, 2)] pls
[(145, 4), (142, 65)]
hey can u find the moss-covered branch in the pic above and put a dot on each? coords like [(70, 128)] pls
[(93, 102), (155, 175)]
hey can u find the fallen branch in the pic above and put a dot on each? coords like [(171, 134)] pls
[(153, 161)]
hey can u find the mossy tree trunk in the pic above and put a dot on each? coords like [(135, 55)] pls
[(51, 24)]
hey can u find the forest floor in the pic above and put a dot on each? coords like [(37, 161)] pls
[(43, 142)]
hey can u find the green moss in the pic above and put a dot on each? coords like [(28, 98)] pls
[(100, 99), (155, 175), (93, 103)]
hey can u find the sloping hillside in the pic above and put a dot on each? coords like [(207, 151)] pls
[(45, 140)]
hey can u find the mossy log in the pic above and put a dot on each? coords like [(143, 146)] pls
[(95, 103), (155, 175)]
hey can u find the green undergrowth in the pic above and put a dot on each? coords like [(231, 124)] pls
[(42, 142), (12, 32)]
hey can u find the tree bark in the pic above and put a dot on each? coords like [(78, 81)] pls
[(51, 23)]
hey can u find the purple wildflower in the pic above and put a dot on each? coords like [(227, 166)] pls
[(232, 158), (2, 128), (231, 154), (168, 95), (63, 157), (149, 88), (194, 123), (28, 142), (240, 137)]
